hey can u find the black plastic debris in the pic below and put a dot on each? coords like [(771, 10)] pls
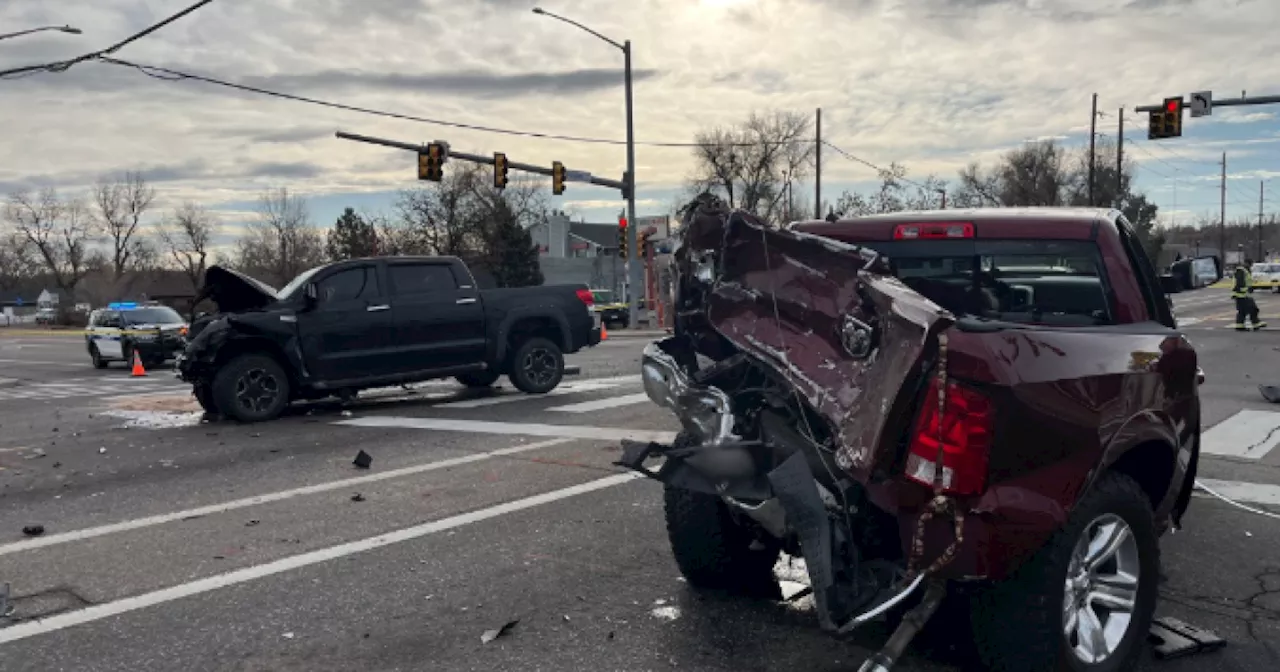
[(252, 523), (490, 635), (1270, 392), (357, 497), (363, 460), (1172, 638), (33, 530)]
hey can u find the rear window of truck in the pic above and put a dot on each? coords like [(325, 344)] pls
[(1056, 283)]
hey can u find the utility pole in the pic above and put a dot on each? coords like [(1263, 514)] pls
[(1222, 214), (1120, 161), (1262, 185), (1093, 136), (817, 174), (944, 198)]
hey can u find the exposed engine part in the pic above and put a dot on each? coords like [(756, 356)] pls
[(769, 514), (912, 624)]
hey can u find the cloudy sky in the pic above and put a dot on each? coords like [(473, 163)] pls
[(932, 84)]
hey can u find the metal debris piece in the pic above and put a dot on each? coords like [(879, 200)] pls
[(252, 523), (346, 414), (102, 450), (357, 497), (1173, 639), (363, 460), (1270, 392), (490, 635), (33, 530), (288, 635)]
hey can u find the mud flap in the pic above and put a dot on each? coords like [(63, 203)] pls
[(1173, 639), (795, 487)]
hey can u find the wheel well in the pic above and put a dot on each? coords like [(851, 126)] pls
[(530, 327), (1150, 464), (241, 346)]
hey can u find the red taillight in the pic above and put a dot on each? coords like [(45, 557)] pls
[(940, 230), (964, 427), (584, 295)]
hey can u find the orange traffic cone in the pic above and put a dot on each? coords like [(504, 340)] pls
[(138, 371), (604, 332)]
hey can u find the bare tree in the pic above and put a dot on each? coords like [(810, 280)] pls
[(1037, 173), (282, 243), (121, 204), (187, 235), (16, 262), (59, 233), (895, 194), (751, 165)]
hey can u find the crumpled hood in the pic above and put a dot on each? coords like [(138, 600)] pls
[(827, 317), (235, 292)]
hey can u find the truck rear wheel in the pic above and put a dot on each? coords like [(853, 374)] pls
[(479, 378), (1085, 601), (537, 365), (251, 388), (715, 551)]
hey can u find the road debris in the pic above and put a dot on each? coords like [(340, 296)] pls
[(33, 530), (490, 635), (666, 613), (1270, 392), (287, 635), (346, 414), (357, 497), (363, 460), (1173, 639), (102, 450), (252, 523)]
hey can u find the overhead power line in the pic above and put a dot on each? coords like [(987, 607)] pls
[(878, 169), (62, 66)]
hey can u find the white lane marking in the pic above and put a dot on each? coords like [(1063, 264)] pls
[(35, 363), (512, 428), (1248, 434), (1254, 493), (507, 398), (1188, 321), (137, 523), (128, 604), (602, 404)]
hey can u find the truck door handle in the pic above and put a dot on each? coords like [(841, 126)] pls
[(465, 301), (374, 309)]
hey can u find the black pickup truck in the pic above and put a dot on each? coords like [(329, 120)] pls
[(352, 325)]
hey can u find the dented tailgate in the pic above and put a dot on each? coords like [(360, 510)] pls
[(826, 316)]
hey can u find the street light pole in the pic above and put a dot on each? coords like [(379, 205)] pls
[(61, 29), (634, 272)]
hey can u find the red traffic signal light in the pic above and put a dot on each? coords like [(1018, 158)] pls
[(1173, 105), (622, 222)]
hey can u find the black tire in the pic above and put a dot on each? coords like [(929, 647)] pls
[(479, 378), (1020, 624), (251, 388), (715, 551), (98, 361), (537, 366)]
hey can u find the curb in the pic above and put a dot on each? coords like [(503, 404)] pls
[(621, 333), (22, 331)]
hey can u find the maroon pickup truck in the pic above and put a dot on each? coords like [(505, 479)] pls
[(990, 404)]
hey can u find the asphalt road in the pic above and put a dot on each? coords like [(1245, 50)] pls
[(175, 545)]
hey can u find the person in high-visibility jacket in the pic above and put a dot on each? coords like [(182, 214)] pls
[(1246, 307)]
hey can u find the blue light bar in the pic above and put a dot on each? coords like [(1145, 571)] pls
[(122, 306)]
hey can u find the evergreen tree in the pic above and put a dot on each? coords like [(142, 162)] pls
[(352, 237), (512, 255)]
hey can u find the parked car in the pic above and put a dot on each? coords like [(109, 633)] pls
[(1266, 275), (155, 332), (613, 312), (46, 316), (353, 325), (993, 404)]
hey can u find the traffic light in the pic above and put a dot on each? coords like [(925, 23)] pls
[(499, 170), (431, 163), (622, 237), (1167, 121), (557, 178)]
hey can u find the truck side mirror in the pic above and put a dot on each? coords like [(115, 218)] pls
[(310, 296)]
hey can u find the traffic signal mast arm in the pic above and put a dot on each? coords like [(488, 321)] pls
[(476, 158), (1222, 102)]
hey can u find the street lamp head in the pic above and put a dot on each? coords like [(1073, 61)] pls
[(538, 10), (69, 29)]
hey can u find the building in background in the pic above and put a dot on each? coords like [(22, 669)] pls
[(586, 252)]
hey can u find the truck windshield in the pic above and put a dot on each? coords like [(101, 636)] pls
[(154, 315), (1032, 282), (289, 289)]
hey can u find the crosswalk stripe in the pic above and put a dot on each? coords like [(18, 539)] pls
[(512, 397), (512, 428), (1248, 434), (1254, 493), (602, 404)]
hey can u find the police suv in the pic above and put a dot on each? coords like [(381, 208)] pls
[(156, 332)]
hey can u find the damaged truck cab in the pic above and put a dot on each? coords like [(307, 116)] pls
[(994, 404)]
